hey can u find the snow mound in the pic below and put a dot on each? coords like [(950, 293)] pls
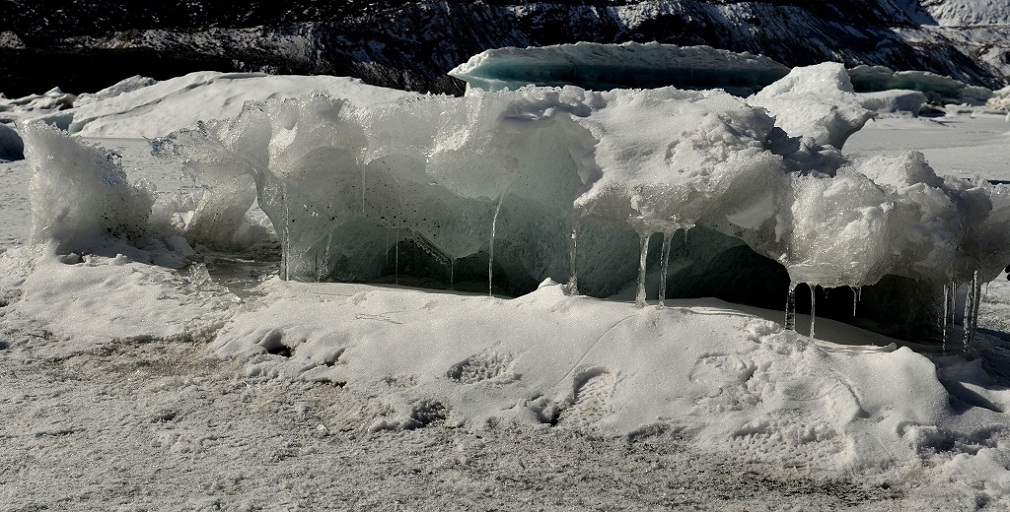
[(752, 389), (35, 105)]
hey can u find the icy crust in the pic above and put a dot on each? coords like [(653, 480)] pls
[(628, 65)]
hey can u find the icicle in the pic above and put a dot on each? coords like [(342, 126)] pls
[(947, 292), (791, 308), (971, 307), (396, 260), (286, 234), (452, 272), (642, 258), (855, 299), (573, 276), (813, 307), (664, 267), (362, 186), (494, 228), (978, 304), (951, 310)]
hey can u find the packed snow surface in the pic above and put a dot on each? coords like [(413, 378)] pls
[(156, 280)]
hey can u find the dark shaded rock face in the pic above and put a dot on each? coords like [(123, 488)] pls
[(84, 45)]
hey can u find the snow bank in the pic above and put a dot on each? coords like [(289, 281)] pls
[(629, 65), (37, 104)]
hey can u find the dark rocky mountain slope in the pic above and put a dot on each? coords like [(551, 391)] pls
[(84, 45)]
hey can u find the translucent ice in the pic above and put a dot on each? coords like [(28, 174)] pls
[(79, 193)]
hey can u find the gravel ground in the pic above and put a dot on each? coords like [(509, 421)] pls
[(158, 426)]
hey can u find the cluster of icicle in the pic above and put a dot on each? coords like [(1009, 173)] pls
[(570, 184)]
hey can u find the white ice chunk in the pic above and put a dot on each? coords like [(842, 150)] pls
[(816, 102)]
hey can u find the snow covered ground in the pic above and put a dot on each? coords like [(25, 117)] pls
[(207, 383)]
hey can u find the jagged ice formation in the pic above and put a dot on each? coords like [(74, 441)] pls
[(514, 187)]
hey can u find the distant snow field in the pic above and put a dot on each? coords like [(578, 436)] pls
[(153, 358)]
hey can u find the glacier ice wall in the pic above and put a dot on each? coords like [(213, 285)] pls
[(628, 65), (935, 87), (636, 65)]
